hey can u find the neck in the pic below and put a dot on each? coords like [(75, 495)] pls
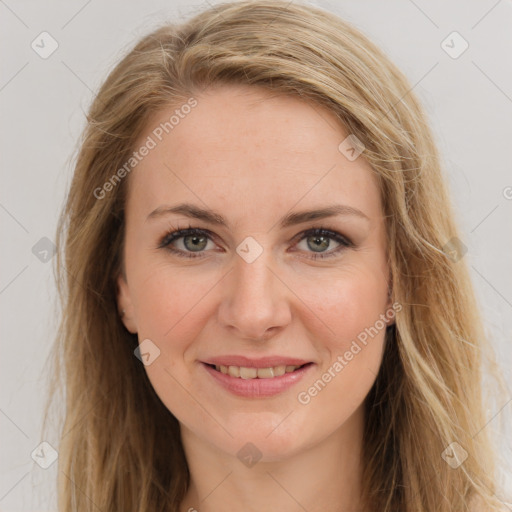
[(323, 476)]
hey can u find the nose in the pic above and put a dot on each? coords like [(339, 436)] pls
[(255, 303)]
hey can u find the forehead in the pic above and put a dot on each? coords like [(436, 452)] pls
[(240, 146)]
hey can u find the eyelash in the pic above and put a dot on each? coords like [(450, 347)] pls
[(190, 231)]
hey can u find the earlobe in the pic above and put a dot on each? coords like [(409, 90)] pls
[(124, 304)]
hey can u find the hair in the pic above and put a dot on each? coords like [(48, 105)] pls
[(120, 447)]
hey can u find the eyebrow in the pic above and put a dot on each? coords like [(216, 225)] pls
[(212, 217)]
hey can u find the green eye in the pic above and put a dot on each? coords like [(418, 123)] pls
[(195, 241)]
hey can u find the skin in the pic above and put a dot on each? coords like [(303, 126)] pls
[(254, 159)]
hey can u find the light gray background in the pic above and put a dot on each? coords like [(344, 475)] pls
[(468, 100)]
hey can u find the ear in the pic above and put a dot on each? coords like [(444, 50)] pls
[(124, 303)]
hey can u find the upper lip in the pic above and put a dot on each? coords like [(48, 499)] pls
[(260, 362)]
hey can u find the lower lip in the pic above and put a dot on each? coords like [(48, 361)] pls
[(258, 388)]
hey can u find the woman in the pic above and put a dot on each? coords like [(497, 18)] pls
[(265, 301)]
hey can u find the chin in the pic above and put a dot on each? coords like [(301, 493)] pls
[(270, 440)]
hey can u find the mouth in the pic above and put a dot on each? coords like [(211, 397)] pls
[(256, 382), (249, 373)]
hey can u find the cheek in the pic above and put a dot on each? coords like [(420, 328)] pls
[(346, 303), (351, 341), (170, 312), (170, 305), (336, 306), (351, 360)]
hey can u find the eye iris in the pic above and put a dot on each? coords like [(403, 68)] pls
[(323, 240), (195, 238)]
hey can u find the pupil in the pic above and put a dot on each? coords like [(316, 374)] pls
[(195, 238), (323, 239)]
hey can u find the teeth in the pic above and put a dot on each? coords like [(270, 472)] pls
[(248, 373), (234, 371), (265, 373), (279, 370), (244, 372)]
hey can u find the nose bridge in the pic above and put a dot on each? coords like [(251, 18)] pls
[(254, 278), (255, 300)]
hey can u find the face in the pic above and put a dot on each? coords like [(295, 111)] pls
[(262, 284)]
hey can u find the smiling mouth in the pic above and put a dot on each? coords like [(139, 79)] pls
[(243, 372)]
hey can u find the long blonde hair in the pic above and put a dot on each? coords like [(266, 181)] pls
[(120, 447)]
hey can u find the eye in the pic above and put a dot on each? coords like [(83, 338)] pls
[(319, 238), (194, 241)]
